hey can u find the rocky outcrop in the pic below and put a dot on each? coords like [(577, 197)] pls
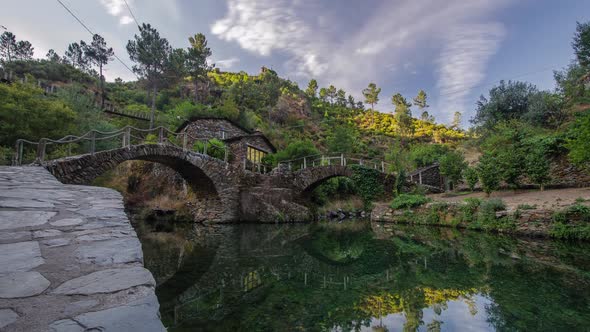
[(69, 258)]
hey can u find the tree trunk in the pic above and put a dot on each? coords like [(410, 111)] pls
[(153, 113), (101, 87)]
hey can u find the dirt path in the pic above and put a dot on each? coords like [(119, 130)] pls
[(554, 199)]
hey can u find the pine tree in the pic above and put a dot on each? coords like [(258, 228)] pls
[(312, 89), (99, 54), (7, 46), (403, 115), (76, 56), (457, 117), (151, 53), (332, 94), (23, 50), (52, 56), (196, 61), (371, 94)]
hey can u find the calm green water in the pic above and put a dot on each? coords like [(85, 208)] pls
[(358, 276)]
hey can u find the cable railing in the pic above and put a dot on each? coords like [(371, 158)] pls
[(29, 152), (339, 159)]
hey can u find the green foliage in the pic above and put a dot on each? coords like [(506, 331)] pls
[(581, 43), (488, 173), (371, 94), (368, 183), (427, 154), (578, 142), (400, 182), (537, 166), (26, 113), (343, 140), (334, 188), (6, 155), (213, 147), (151, 139), (452, 165), (408, 201), (296, 150), (471, 177), (572, 223)]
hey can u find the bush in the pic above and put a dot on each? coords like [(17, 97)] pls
[(452, 165), (488, 173), (368, 183), (213, 147), (6, 155), (471, 177), (575, 212), (151, 139), (406, 201)]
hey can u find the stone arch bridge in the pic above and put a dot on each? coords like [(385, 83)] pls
[(230, 193)]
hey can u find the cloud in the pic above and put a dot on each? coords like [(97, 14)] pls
[(118, 8), (352, 54), (463, 61), (226, 63)]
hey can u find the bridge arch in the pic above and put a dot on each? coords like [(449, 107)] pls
[(306, 180), (203, 173)]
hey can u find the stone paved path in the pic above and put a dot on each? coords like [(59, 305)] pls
[(69, 258)]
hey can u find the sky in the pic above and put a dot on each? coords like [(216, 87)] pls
[(455, 50)]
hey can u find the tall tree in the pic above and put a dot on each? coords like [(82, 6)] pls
[(323, 94), (151, 53), (341, 98), (403, 115), (420, 100), (99, 54), (371, 94), (52, 56), (312, 88), (196, 61), (7, 46), (76, 56), (332, 94), (581, 43), (351, 102), (457, 118), (23, 50)]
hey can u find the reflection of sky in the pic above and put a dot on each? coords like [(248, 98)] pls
[(456, 318)]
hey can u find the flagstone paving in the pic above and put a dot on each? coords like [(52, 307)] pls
[(69, 258)]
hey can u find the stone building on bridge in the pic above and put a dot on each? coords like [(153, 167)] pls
[(245, 147)]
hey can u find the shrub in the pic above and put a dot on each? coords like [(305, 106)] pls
[(213, 147), (526, 207), (471, 177), (537, 167), (368, 183), (468, 210), (404, 201), (574, 212), (6, 155), (151, 139), (488, 173), (452, 165)]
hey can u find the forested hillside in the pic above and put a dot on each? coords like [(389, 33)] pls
[(517, 129)]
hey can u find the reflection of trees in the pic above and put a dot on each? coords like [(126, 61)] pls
[(267, 282)]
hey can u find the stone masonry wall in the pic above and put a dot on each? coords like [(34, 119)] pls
[(213, 128)]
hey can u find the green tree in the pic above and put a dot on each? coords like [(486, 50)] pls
[(151, 53), (581, 43), (196, 61), (52, 56), (342, 140), (331, 94), (403, 115), (471, 177), (488, 173), (24, 50), (538, 167), (351, 102), (452, 166), (99, 54), (341, 98), (578, 142), (24, 113), (457, 117), (76, 56), (324, 95), (371, 94), (7, 46), (312, 89), (296, 150), (420, 100)]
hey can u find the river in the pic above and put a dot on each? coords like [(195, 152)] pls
[(362, 276)]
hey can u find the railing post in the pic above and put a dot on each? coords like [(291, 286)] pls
[(161, 135), (342, 159), (289, 166), (41, 151), (225, 154), (17, 152), (184, 141), (128, 135), (382, 167), (361, 161), (93, 143), (205, 148), (304, 162)]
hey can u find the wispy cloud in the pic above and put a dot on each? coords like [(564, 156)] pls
[(463, 61), (117, 8), (226, 63)]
